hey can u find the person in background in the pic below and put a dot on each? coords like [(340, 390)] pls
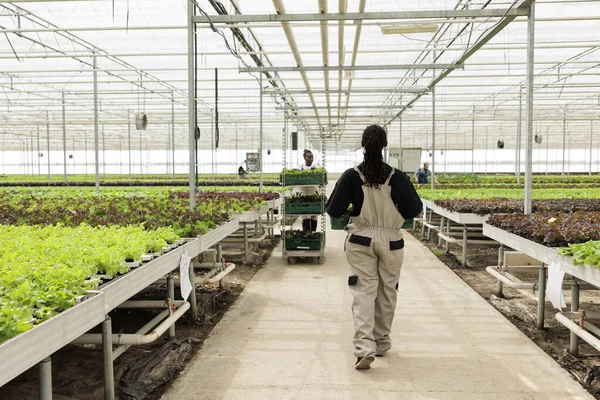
[(242, 173), (422, 175), (382, 197), (308, 224)]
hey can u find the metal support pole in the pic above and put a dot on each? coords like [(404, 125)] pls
[(236, 147), (107, 353), (448, 228), (529, 152), (245, 242), (64, 126), (171, 296), (433, 129), (173, 132), (400, 151), (445, 147), (442, 222), (192, 299), (141, 155), (103, 153), (260, 146), (519, 131), (45, 376), (591, 143), (129, 141), (32, 155), (48, 141), (502, 268), (473, 142), (191, 113), (39, 162), (219, 260), (464, 245), (541, 297), (96, 155), (85, 151), (574, 339), (219, 252), (564, 143)]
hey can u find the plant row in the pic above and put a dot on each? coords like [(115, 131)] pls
[(234, 183), (153, 209), (44, 269), (518, 194), (587, 253), (509, 206), (512, 179), (551, 229), (134, 177)]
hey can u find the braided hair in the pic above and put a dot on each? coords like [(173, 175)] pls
[(374, 139)]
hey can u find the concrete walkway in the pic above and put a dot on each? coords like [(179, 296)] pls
[(289, 337)]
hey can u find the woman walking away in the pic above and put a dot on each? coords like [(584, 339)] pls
[(382, 198)]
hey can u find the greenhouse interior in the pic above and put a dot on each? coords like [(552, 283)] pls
[(284, 199)]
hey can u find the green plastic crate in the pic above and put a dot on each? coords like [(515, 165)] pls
[(338, 224), (303, 208), (303, 244), (304, 179), (409, 224)]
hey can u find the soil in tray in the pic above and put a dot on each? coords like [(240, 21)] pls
[(521, 311), (77, 371)]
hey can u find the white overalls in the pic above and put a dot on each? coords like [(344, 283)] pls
[(375, 252)]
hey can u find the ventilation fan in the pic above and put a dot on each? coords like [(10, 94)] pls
[(141, 121), (538, 139), (500, 144)]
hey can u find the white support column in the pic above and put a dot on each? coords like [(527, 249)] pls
[(191, 104), (96, 127), (400, 151), (519, 130), (39, 161), (48, 141), (260, 146), (529, 152), (564, 142), (103, 152), (129, 141), (173, 132), (473, 141), (433, 127), (591, 143), (64, 126)]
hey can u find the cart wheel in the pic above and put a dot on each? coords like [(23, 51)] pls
[(291, 260), (322, 260)]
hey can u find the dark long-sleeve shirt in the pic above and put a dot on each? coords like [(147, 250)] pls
[(348, 190)]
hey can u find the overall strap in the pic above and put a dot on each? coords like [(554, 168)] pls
[(362, 177), (387, 182)]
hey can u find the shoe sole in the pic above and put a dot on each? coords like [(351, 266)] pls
[(365, 363)]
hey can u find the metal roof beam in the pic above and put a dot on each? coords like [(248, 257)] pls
[(398, 15), (318, 68)]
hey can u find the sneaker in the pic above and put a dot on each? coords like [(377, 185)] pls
[(379, 354), (364, 362)]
